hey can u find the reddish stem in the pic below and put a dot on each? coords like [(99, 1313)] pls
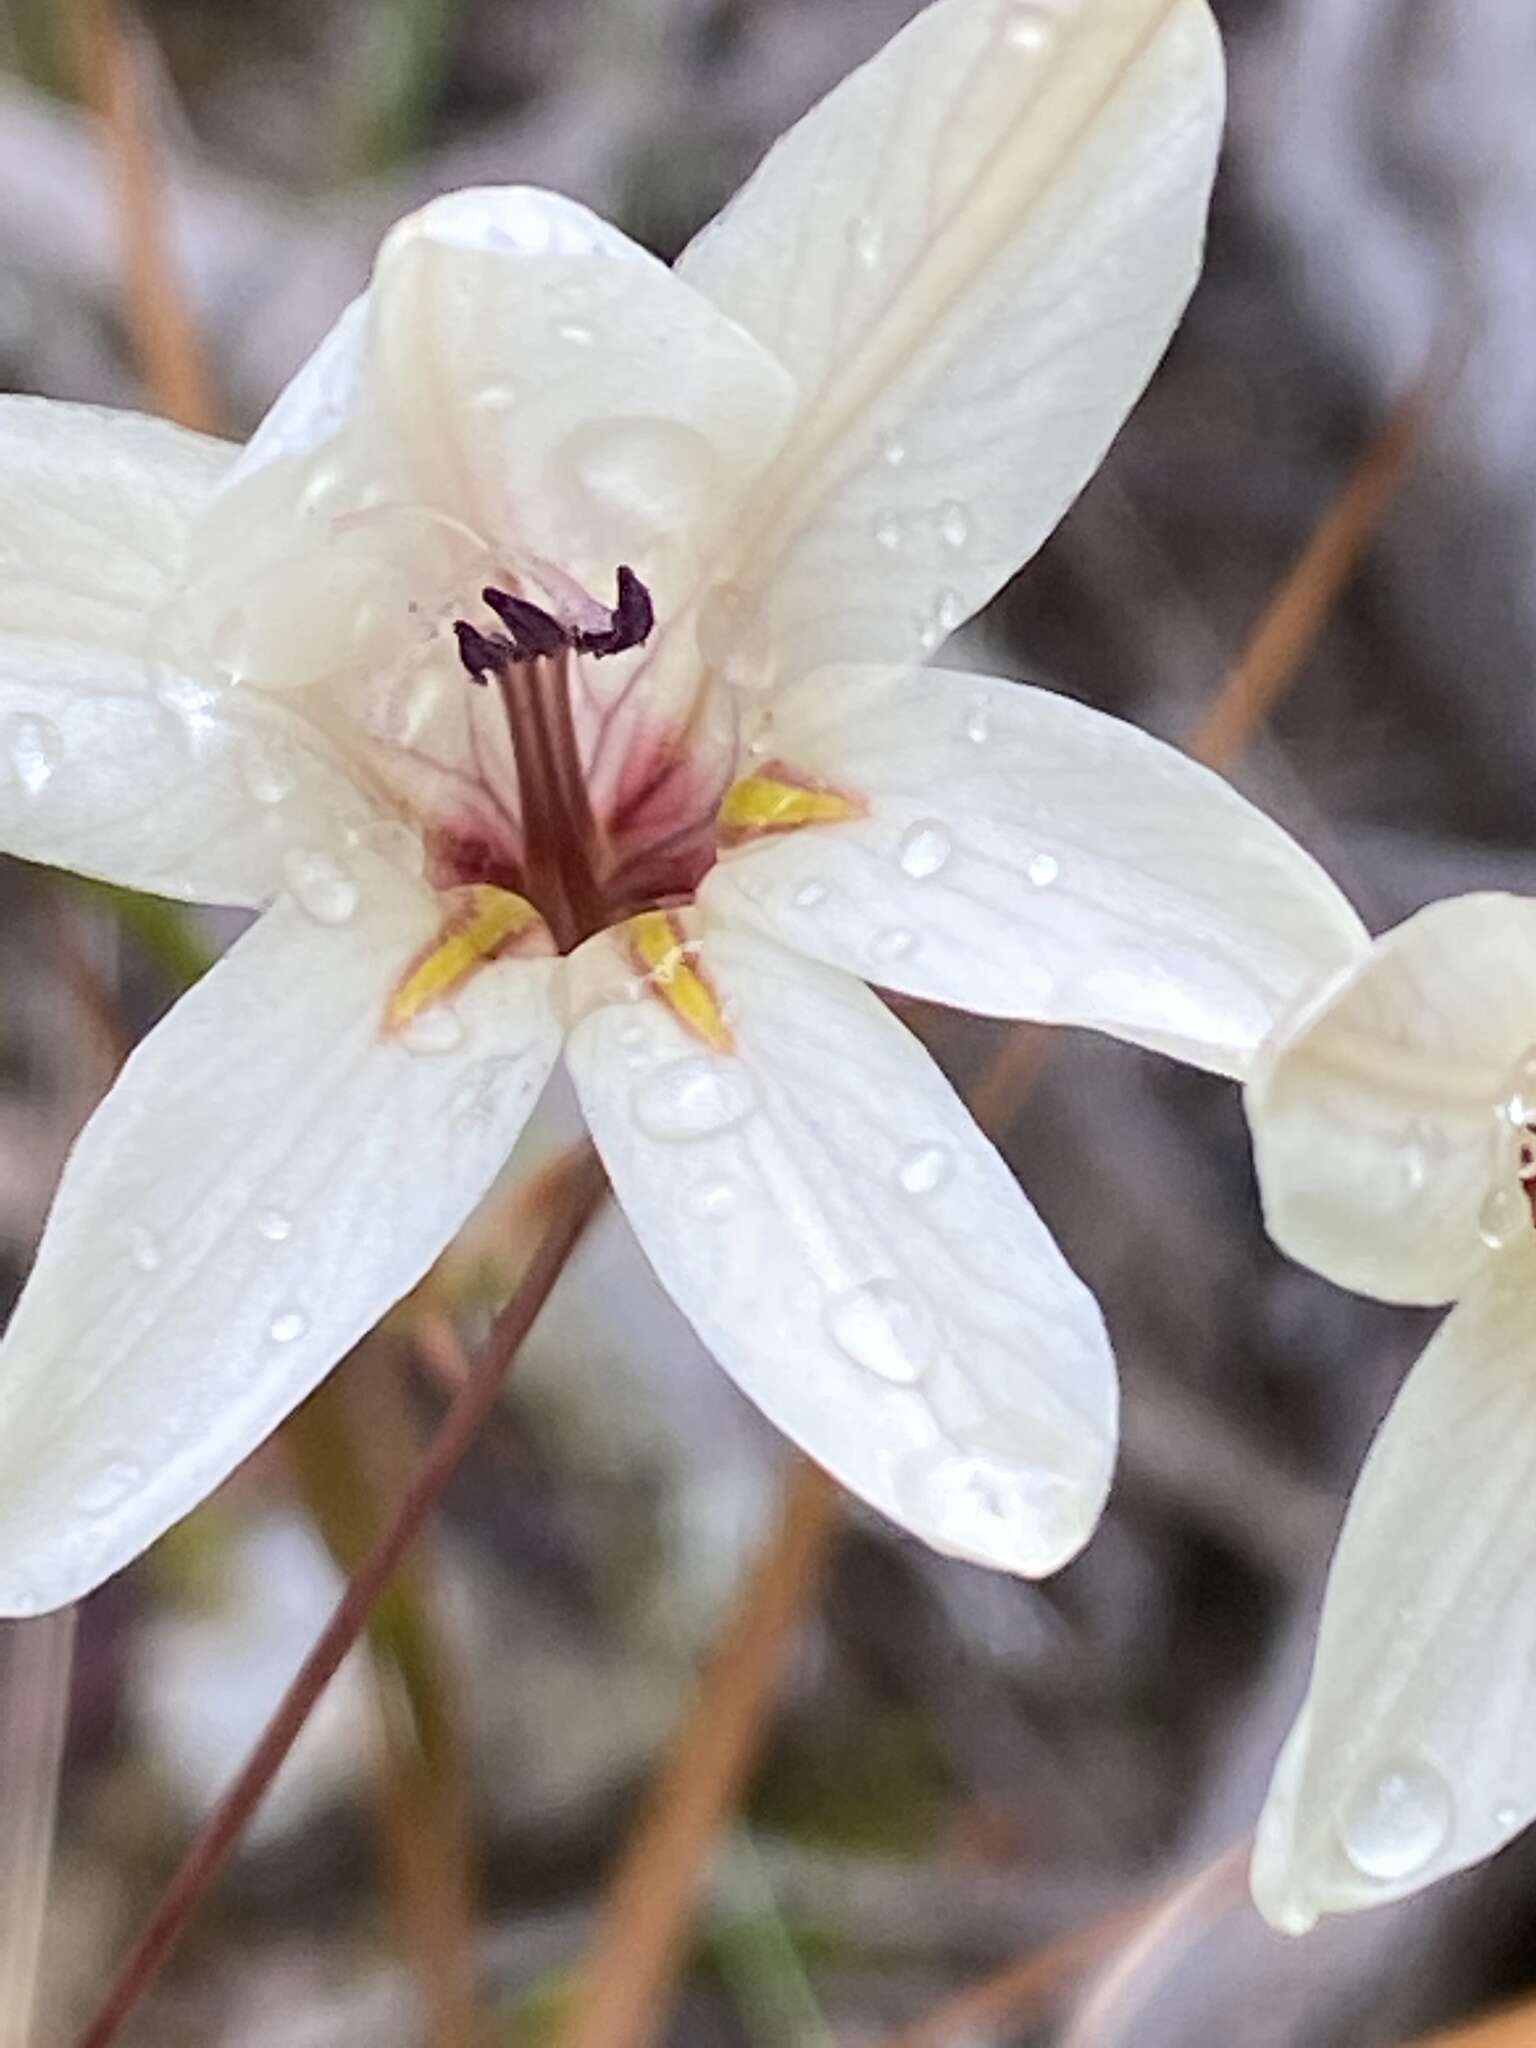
[(216, 1839)]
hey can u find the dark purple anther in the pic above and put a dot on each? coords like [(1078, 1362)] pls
[(532, 632), (630, 621), (481, 656)]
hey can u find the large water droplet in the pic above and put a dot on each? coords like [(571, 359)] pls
[(980, 1507), (943, 615), (1027, 29), (434, 1030), (925, 848), (266, 771), (1395, 1822), (321, 885), (274, 1225), (1043, 870), (694, 1097), (714, 1200), (109, 1487), (866, 238), (1520, 1092), (884, 1330), (925, 1168), (1504, 1216), (655, 473), (144, 1248), (954, 524), (34, 748), (288, 1326), (894, 943)]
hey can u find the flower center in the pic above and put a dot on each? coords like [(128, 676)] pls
[(566, 858), (1509, 1210)]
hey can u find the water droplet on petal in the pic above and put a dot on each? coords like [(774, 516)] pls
[(321, 886), (694, 1097), (1504, 1216), (936, 624), (1027, 29), (1520, 1091), (978, 722), (925, 848), (434, 1030), (144, 1248), (266, 772), (893, 451), (34, 748), (288, 1327), (274, 1225), (494, 398), (657, 474), (577, 335), (925, 1168), (1043, 870), (713, 1200), (980, 1507), (954, 525), (1506, 1816), (110, 1487), (1395, 1822), (809, 895), (866, 238), (894, 943), (887, 531), (881, 1328)]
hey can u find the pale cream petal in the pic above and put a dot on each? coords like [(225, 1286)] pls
[(129, 770), (819, 1204), (267, 1177), (118, 757), (1412, 1756), (1023, 856), (971, 255), (526, 392), (95, 508), (1381, 1113)]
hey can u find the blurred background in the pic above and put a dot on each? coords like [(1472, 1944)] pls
[(947, 1774)]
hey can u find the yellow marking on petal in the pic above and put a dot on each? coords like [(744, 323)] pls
[(482, 923), (667, 957), (778, 798)]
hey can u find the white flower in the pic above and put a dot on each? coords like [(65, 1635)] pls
[(551, 573), (1394, 1123)]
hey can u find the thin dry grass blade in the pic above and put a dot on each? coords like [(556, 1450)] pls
[(1512, 2026), (1155, 1950), (352, 1447), (110, 61), (36, 1663), (627, 1979)]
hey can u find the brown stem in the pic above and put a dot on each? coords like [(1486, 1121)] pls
[(111, 65), (216, 1839), (628, 1975)]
